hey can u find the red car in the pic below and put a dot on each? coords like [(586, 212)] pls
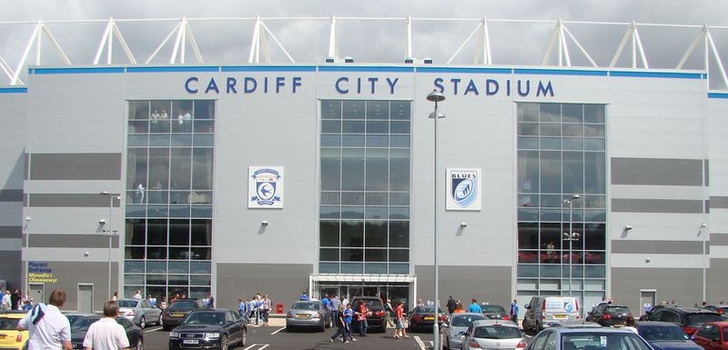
[(712, 336)]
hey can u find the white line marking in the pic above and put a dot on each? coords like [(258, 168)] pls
[(279, 329), (262, 346), (420, 342)]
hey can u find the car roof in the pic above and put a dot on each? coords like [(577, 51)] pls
[(600, 329), (466, 314), (691, 310), (575, 324), (479, 323), (655, 324), (132, 299), (209, 310), (718, 323)]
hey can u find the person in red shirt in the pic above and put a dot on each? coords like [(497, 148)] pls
[(361, 316), (399, 322)]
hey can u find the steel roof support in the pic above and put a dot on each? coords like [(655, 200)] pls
[(107, 42), (333, 43), (36, 39), (632, 36)]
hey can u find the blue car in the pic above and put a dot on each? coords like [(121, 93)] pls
[(666, 336)]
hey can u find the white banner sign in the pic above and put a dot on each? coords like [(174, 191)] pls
[(265, 187), (463, 189)]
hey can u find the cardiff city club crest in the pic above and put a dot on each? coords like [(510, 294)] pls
[(463, 189), (266, 187)]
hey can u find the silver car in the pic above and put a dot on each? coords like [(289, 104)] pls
[(453, 330), (307, 313), (140, 312), (493, 334)]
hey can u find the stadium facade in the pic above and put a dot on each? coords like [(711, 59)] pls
[(278, 178)]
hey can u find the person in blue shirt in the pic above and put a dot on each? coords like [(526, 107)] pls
[(514, 311), (348, 315), (474, 307), (304, 296)]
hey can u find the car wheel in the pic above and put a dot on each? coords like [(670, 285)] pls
[(244, 337), (143, 323), (289, 329), (224, 342), (140, 344)]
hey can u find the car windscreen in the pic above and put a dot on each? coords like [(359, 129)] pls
[(429, 309), (465, 320), (697, 320), (493, 309), (210, 318), (305, 306), (372, 304), (182, 305), (617, 309), (127, 303), (83, 323), (9, 324), (596, 340), (497, 332), (664, 333)]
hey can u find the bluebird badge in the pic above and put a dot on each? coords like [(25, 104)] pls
[(463, 189), (265, 187)]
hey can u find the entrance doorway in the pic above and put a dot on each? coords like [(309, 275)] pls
[(392, 291), (647, 300), (37, 293), (85, 298)]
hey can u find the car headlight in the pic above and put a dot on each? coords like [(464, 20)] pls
[(174, 334), (209, 336)]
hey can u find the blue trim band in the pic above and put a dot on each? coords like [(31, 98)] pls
[(85, 70), (595, 73), (673, 75), (13, 90), (718, 95), (173, 69), (365, 69), (483, 70), (268, 69)]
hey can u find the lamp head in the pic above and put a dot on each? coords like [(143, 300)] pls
[(435, 96)]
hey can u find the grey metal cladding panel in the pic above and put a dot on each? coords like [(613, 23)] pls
[(706, 172), (75, 166), (71, 241), (11, 232), (632, 205), (11, 196), (717, 239), (72, 200), (656, 247), (657, 172), (467, 282), (284, 282), (11, 267), (719, 202), (670, 283)]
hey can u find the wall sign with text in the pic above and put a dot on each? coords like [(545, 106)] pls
[(265, 187)]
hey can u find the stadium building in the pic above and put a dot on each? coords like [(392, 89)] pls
[(561, 174)]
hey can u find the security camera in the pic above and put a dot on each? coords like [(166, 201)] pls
[(102, 221), (463, 224), (703, 225), (628, 227), (264, 222), (648, 259)]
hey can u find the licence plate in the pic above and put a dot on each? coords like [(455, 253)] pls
[(177, 315), (190, 341), (301, 316), (429, 318), (560, 317)]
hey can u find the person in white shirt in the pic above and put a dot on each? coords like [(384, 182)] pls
[(106, 333), (49, 328), (138, 295), (6, 302)]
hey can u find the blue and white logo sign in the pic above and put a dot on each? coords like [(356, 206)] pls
[(463, 189), (265, 187)]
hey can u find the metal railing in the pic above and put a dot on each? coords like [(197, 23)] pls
[(364, 40)]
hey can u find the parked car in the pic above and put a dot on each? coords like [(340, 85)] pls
[(712, 336), (10, 337), (566, 337), (453, 329), (307, 313), (209, 329), (721, 309), (140, 312), (178, 310), (423, 316), (665, 336), (73, 316), (377, 319), (495, 312), (543, 311), (689, 318), (609, 315), (493, 334), (81, 325)]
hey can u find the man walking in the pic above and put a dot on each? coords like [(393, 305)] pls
[(106, 333), (451, 305), (474, 307), (334, 305), (514, 311), (49, 328)]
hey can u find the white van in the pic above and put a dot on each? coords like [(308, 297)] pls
[(542, 311)]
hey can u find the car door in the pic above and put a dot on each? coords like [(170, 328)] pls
[(235, 326)]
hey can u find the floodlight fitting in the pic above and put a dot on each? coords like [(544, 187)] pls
[(435, 96)]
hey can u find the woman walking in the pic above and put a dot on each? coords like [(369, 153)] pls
[(399, 332)]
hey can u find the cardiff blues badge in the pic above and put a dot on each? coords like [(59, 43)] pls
[(265, 187), (463, 189)]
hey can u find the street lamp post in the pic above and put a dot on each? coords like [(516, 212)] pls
[(436, 97), (108, 229), (571, 236)]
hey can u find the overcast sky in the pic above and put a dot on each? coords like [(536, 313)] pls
[(383, 43)]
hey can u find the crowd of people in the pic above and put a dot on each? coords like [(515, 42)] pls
[(256, 309), (15, 301)]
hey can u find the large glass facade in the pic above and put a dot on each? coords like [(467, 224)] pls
[(365, 187), (562, 238), (168, 240)]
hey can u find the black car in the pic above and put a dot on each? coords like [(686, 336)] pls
[(666, 336), (609, 315), (175, 313), (376, 319), (80, 327), (209, 329), (495, 312), (423, 316), (689, 318)]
